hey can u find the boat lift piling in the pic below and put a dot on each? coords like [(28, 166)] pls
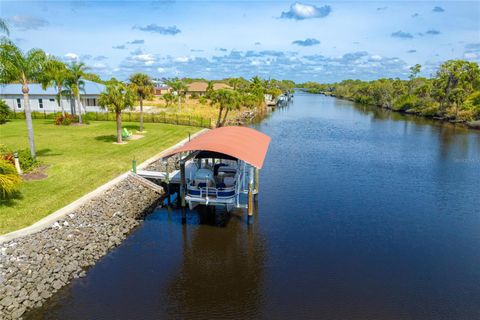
[(256, 190), (250, 191), (167, 181)]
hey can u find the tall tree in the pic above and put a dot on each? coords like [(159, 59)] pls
[(76, 84), (257, 89), (210, 89), (455, 80), (143, 87), (55, 75), (226, 100), (179, 88), (23, 68), (116, 98), (169, 99), (4, 27), (414, 71)]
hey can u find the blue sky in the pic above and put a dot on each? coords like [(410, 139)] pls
[(302, 41)]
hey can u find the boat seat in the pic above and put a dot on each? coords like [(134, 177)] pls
[(229, 181), (216, 167)]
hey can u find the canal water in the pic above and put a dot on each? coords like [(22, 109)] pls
[(363, 214)]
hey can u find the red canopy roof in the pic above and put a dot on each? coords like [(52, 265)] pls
[(240, 142)]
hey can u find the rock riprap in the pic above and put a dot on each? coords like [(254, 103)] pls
[(34, 267)]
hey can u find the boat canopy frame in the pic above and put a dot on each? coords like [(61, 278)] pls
[(241, 143)]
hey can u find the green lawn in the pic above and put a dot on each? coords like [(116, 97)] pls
[(80, 158)]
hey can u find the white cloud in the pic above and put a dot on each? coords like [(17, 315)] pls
[(24, 23), (98, 66), (301, 11), (181, 59), (144, 57), (71, 56)]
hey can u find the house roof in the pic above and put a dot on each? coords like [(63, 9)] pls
[(242, 143), (200, 86), (197, 86), (217, 86), (35, 88)]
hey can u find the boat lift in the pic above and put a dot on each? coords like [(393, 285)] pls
[(217, 167)]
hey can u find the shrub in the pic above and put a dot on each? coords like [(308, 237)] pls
[(429, 109), (4, 112), (405, 102), (202, 100), (66, 120), (6, 154), (194, 95), (27, 163), (10, 181), (472, 104)]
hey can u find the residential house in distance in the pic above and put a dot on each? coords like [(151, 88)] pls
[(45, 100), (200, 87), (161, 89)]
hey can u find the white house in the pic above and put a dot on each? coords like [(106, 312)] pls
[(45, 100)]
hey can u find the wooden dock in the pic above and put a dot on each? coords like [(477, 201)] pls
[(173, 177)]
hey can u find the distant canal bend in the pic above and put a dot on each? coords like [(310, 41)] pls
[(363, 214)]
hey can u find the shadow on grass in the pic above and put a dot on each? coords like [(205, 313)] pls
[(12, 201), (107, 138), (132, 128), (47, 153), (113, 137)]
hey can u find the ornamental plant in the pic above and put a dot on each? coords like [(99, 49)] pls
[(10, 181)]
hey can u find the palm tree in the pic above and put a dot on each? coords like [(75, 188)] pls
[(210, 89), (179, 87), (24, 68), (4, 27), (226, 100), (143, 87), (55, 75), (75, 82), (258, 90), (116, 98)]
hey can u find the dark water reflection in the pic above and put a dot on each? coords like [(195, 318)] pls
[(363, 214)]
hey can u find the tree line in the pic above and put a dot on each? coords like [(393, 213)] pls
[(452, 93)]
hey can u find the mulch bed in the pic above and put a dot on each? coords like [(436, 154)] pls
[(37, 174)]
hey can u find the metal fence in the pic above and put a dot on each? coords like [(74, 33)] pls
[(177, 119)]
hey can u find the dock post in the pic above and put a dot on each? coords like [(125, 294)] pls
[(184, 215), (257, 174), (167, 181), (182, 183), (134, 165), (250, 192)]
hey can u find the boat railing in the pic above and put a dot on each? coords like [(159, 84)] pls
[(206, 192)]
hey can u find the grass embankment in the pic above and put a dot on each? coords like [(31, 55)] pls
[(190, 106), (80, 159)]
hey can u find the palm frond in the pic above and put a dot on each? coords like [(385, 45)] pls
[(4, 27)]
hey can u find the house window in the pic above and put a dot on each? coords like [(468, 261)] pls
[(52, 100), (19, 103), (91, 102), (40, 103)]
